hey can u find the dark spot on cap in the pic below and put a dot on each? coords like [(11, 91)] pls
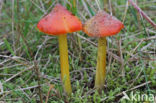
[(46, 19)]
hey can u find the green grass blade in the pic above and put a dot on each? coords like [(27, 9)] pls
[(8, 45)]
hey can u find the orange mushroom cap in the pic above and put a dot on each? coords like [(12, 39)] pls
[(102, 24), (59, 21)]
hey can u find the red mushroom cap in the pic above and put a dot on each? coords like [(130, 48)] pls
[(59, 21), (102, 24)]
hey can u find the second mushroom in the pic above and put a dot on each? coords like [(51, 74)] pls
[(102, 25)]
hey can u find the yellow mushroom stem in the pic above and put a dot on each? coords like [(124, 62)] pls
[(65, 76), (101, 64)]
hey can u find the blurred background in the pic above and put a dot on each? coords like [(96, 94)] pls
[(29, 59)]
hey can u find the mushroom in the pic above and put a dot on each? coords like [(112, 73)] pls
[(102, 25), (59, 22)]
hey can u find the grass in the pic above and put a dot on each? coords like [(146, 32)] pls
[(131, 64)]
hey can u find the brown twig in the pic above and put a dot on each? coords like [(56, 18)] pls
[(142, 13), (50, 88), (121, 56), (38, 77), (22, 89), (18, 73)]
